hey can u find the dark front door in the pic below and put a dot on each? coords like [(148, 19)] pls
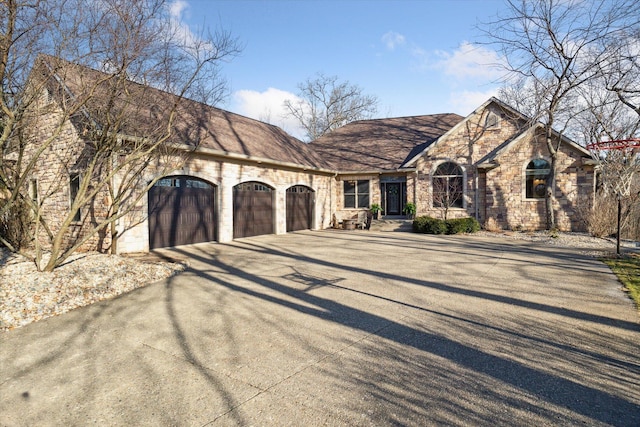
[(300, 202), (181, 212), (394, 198), (252, 209)]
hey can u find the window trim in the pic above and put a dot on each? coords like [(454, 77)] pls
[(525, 178), (356, 194), (464, 184), (33, 191)]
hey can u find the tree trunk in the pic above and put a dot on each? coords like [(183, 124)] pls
[(114, 239), (550, 198), (114, 230)]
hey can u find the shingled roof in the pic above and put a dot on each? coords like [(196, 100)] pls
[(196, 124), (381, 144)]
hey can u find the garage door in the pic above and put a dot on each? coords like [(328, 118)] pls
[(252, 209), (300, 202), (181, 212)]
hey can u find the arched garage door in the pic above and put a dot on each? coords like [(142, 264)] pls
[(300, 203), (181, 212), (252, 209)]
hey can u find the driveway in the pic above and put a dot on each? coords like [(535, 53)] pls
[(340, 328)]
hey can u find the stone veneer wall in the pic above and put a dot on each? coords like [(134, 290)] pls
[(52, 172), (500, 201), (506, 202)]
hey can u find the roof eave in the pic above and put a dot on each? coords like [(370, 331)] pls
[(376, 171), (253, 159)]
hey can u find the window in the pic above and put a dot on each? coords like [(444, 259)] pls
[(168, 182), (356, 194), (252, 186), (33, 190), (492, 121), (74, 188), (183, 181), (536, 176), (448, 186)]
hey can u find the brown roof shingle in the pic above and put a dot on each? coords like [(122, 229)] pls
[(146, 111), (381, 144)]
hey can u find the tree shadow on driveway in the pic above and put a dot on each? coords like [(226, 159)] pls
[(553, 396)]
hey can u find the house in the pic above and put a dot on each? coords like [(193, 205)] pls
[(491, 165), (227, 177), (231, 177)]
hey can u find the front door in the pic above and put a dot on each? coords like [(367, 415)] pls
[(394, 198)]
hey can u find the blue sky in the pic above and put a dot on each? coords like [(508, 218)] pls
[(417, 57)]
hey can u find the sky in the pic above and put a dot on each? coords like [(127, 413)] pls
[(417, 57)]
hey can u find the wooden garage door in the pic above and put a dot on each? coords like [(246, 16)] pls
[(181, 212), (252, 209), (300, 202)]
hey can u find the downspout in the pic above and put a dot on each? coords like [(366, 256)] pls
[(333, 186), (415, 192), (475, 195)]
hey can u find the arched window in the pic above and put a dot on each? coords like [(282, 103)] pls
[(448, 186), (536, 176)]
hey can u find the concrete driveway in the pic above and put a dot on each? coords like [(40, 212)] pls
[(340, 328)]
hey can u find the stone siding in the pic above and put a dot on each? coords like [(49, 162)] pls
[(496, 197), (62, 156)]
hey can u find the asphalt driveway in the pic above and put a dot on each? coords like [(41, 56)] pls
[(340, 328)]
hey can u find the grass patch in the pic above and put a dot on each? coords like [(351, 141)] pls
[(628, 271)]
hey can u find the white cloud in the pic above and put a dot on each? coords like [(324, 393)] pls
[(470, 61), (268, 106), (464, 102), (177, 7), (392, 40)]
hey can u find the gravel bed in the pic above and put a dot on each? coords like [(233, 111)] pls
[(27, 295), (588, 245)]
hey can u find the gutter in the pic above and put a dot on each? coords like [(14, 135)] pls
[(377, 171), (252, 159)]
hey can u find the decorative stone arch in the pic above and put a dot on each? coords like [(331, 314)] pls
[(448, 186)]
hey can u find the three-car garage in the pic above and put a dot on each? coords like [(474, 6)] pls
[(184, 210)]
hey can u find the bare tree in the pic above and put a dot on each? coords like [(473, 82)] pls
[(447, 188), (552, 49), (621, 69), (612, 112), (325, 104), (107, 113)]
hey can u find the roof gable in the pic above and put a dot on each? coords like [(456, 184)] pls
[(512, 113), (504, 148), (527, 129)]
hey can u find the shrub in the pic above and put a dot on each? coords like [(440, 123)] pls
[(429, 225), (462, 225)]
